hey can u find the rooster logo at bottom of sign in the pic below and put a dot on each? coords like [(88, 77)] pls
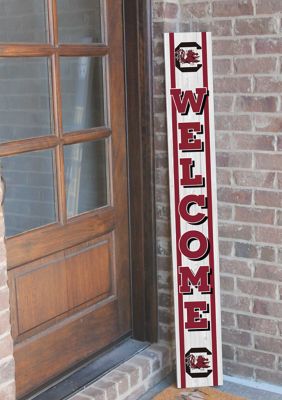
[(198, 362)]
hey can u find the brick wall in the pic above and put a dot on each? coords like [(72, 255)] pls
[(247, 48), (7, 378)]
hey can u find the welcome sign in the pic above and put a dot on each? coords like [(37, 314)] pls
[(192, 170)]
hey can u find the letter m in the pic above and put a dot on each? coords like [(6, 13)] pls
[(201, 280)]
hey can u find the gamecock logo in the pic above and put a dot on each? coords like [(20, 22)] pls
[(198, 362), (187, 57)]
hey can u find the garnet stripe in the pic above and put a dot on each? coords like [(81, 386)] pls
[(177, 218), (210, 215)]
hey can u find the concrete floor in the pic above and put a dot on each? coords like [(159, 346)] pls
[(228, 387)]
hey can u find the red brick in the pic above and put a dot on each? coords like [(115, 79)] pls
[(268, 84), (236, 267), (227, 283), (162, 212), (232, 47), (268, 45), (159, 105), (269, 235), (279, 143), (161, 26), (216, 27), (267, 253), (269, 308), (225, 212), (266, 123), (279, 217), (254, 215), (7, 392), (228, 319), (256, 104), (233, 122), (163, 228), (197, 10), (161, 160), (4, 299), (269, 344), (253, 142), (223, 103), (160, 142), (223, 141), (268, 198), (232, 85), (259, 289), (273, 377), (161, 177), (232, 302), (233, 160), (231, 9), (223, 176), (234, 336), (245, 250), (6, 347), (222, 66), (268, 7), (237, 369), (91, 391), (256, 26), (255, 65), (228, 352), (269, 272), (4, 322), (255, 358), (7, 370), (167, 10), (256, 324), (254, 178), (269, 161), (158, 49), (225, 248), (279, 180), (229, 195)]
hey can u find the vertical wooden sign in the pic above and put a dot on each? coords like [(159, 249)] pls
[(193, 202)]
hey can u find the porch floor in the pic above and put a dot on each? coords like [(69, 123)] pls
[(228, 387)]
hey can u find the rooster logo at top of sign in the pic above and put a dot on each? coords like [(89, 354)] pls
[(198, 362), (187, 57)]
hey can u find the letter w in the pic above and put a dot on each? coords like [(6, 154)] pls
[(182, 100)]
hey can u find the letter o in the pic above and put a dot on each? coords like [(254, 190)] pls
[(187, 238)]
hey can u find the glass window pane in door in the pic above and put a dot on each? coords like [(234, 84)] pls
[(25, 95), (86, 177), (23, 21), (83, 98), (80, 21), (30, 200)]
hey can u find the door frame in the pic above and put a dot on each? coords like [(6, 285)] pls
[(141, 167)]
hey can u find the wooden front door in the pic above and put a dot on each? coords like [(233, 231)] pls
[(63, 156)]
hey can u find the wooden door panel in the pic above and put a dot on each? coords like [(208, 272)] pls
[(90, 271), (41, 292), (64, 345)]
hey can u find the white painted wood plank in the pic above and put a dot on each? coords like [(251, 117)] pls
[(193, 204)]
